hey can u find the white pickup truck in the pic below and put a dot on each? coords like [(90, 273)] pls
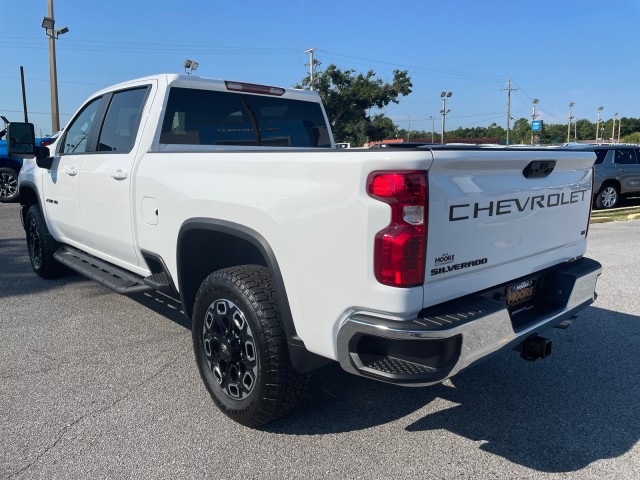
[(405, 266)]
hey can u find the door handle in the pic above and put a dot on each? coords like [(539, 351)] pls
[(71, 171), (119, 175)]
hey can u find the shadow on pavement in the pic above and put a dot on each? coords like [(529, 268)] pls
[(552, 416)]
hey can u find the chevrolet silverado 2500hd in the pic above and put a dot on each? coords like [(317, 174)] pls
[(404, 266)]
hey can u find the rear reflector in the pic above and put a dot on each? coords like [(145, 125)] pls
[(399, 251), (253, 88)]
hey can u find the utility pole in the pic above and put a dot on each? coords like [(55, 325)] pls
[(312, 64), (433, 126), (508, 89), (571, 105)]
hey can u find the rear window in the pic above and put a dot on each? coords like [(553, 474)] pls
[(205, 117), (600, 155)]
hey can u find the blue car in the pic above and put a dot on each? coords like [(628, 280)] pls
[(9, 170)]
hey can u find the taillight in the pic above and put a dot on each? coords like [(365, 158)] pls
[(399, 252)]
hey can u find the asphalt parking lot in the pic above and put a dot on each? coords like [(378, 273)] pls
[(96, 385)]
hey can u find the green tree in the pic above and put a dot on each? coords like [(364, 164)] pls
[(348, 97), (381, 127), (521, 133), (631, 138)]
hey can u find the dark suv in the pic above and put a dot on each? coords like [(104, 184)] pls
[(617, 173)]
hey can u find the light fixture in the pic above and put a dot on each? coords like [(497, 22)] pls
[(48, 23), (190, 66)]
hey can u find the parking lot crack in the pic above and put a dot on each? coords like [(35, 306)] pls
[(92, 414)]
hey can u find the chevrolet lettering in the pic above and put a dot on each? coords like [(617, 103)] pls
[(513, 205)]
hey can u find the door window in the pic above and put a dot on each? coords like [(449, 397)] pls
[(625, 156), (121, 123), (75, 138)]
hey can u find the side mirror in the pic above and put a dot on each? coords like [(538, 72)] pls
[(44, 158), (21, 139)]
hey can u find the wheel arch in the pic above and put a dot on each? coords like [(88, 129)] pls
[(611, 181), (28, 196), (206, 245)]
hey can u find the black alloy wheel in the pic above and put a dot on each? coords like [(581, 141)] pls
[(230, 349)]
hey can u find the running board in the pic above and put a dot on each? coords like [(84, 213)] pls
[(105, 273)]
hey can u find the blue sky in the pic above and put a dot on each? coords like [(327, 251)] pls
[(560, 51)]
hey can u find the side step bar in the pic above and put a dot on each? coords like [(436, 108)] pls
[(109, 275)]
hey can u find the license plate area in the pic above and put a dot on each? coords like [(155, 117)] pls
[(521, 294)]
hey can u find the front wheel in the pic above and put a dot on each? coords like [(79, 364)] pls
[(241, 348), (41, 245), (608, 196), (8, 185)]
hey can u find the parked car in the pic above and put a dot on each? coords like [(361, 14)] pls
[(617, 173), (402, 145), (10, 169)]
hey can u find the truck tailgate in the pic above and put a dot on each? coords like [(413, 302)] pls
[(500, 214)]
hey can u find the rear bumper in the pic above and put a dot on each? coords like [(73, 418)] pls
[(447, 338)]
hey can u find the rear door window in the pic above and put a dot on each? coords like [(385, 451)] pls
[(206, 117), (625, 156), (600, 156)]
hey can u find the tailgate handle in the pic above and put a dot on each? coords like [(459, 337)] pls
[(539, 168)]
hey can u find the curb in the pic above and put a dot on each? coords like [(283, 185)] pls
[(605, 216)]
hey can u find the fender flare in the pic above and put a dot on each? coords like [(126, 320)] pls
[(302, 359)]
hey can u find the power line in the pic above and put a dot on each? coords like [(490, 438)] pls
[(420, 70)]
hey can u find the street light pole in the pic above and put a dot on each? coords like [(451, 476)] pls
[(48, 23), (619, 124), (613, 128), (571, 105), (444, 111), (53, 76), (534, 102), (598, 124)]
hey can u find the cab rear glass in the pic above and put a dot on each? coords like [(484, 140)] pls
[(207, 117)]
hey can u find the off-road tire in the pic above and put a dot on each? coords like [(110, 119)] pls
[(41, 245), (241, 348)]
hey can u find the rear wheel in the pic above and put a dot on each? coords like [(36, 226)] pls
[(241, 348), (8, 185), (608, 196), (41, 245)]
